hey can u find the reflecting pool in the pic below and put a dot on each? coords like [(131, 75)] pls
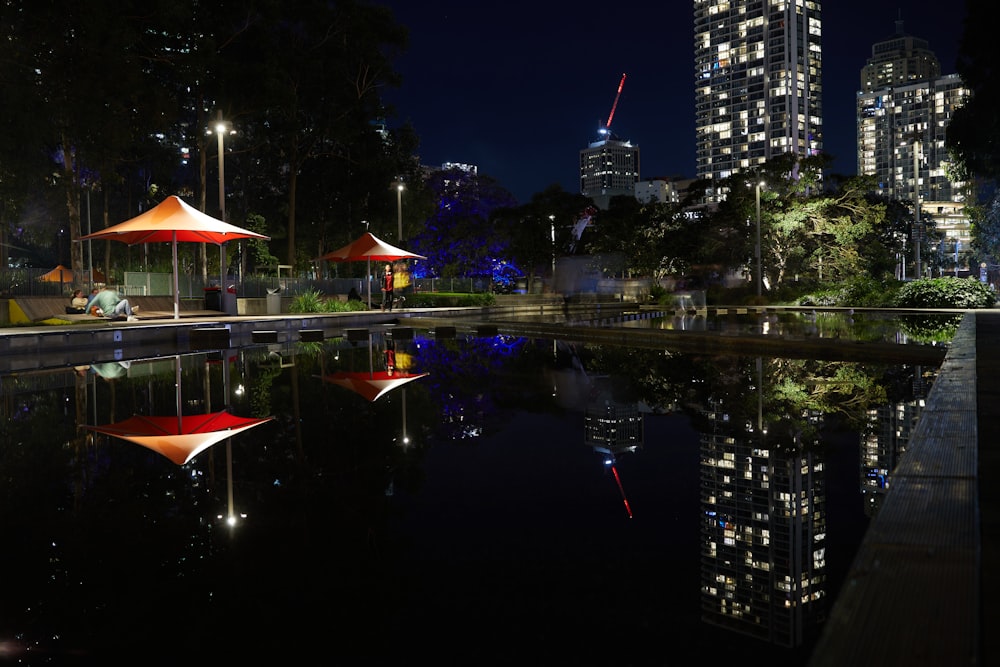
[(432, 495)]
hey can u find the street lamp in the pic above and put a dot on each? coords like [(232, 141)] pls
[(221, 127), (918, 230), (552, 223), (760, 276), (399, 208)]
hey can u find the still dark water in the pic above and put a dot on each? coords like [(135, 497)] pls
[(512, 501)]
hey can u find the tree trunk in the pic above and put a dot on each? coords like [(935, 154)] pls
[(292, 184), (73, 209), (202, 257)]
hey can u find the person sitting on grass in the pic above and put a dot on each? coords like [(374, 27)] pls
[(109, 303)]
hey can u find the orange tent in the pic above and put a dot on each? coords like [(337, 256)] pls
[(61, 274)]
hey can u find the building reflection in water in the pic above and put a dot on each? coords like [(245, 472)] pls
[(883, 442), (613, 430), (763, 528)]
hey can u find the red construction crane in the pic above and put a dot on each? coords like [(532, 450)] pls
[(607, 126)]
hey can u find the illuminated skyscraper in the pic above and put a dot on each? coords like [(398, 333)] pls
[(609, 168), (904, 108), (758, 82)]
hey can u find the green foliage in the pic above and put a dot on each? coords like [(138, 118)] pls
[(973, 133), (257, 249), (858, 292), (935, 328), (945, 293), (310, 301), (314, 301), (658, 293)]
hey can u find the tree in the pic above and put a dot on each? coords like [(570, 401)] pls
[(460, 238), (86, 74), (313, 71), (539, 232), (974, 130), (973, 134)]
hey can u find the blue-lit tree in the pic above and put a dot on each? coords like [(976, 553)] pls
[(460, 238)]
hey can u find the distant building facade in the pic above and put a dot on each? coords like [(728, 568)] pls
[(609, 168), (903, 110), (758, 83), (662, 190)]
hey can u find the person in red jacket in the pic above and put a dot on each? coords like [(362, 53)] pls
[(387, 288)]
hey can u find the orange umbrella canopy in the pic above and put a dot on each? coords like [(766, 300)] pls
[(172, 221), (180, 439), (369, 247), (173, 217), (372, 385)]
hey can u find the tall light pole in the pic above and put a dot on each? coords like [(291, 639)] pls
[(399, 209), (221, 127), (918, 230), (760, 276), (552, 224)]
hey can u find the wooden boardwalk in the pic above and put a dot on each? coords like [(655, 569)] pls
[(920, 589), (52, 310)]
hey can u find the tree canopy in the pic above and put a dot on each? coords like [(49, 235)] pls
[(121, 98)]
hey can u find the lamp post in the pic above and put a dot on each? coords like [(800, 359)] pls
[(221, 127), (399, 209), (552, 224), (760, 276), (918, 230)]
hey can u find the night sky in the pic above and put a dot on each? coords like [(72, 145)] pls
[(518, 88)]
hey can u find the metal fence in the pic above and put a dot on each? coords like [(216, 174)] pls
[(27, 282)]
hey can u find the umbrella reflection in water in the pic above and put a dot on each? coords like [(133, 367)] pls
[(373, 384), (181, 437)]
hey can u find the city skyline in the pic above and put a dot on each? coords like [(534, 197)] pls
[(520, 92)]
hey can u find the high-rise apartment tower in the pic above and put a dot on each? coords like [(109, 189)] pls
[(904, 107), (758, 82)]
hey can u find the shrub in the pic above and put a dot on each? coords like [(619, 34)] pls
[(932, 328), (658, 294), (945, 293), (310, 301), (855, 293)]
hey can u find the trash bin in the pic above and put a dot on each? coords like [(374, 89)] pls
[(274, 301), (213, 298), (229, 303)]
